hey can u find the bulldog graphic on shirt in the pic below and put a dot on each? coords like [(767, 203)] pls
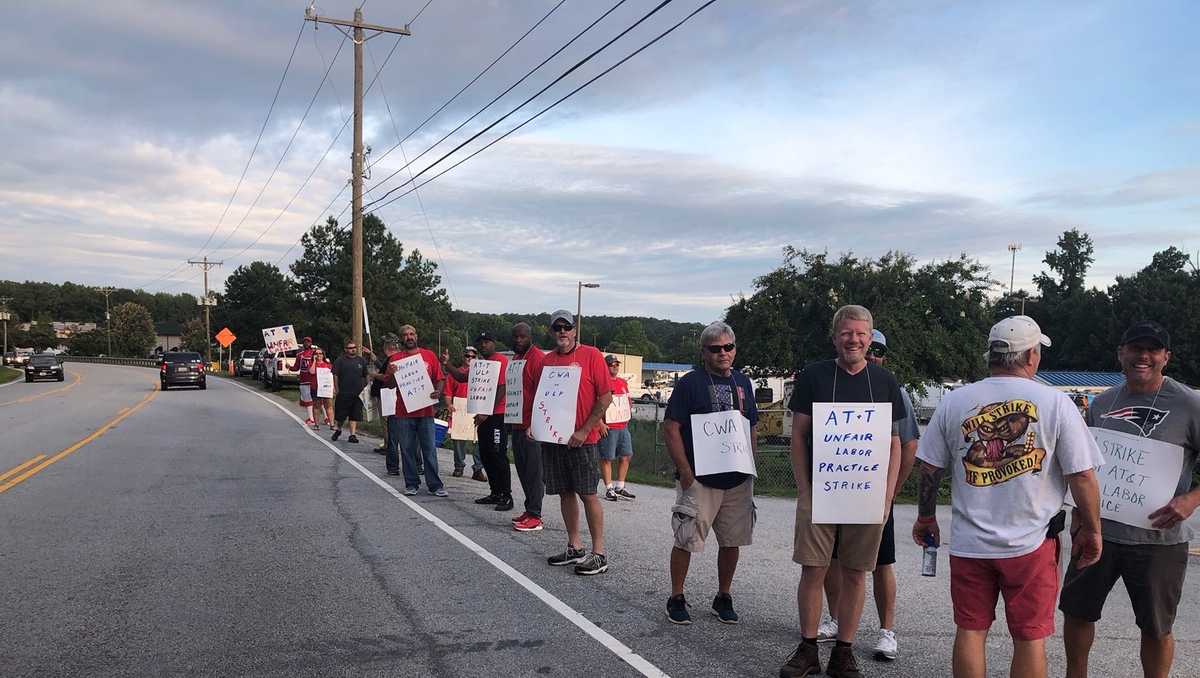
[(1003, 444)]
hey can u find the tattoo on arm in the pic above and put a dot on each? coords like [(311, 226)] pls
[(931, 480)]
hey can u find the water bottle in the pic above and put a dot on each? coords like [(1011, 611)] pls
[(929, 561)]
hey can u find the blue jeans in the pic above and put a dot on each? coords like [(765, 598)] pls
[(460, 456), (410, 433)]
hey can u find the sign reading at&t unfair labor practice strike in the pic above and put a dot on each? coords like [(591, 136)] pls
[(553, 417), (851, 453), (1139, 476), (482, 381)]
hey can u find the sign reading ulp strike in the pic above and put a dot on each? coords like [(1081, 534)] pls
[(851, 453), (514, 391), (280, 339), (553, 417), (1139, 476), (482, 380)]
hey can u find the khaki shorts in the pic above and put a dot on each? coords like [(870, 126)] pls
[(812, 545), (730, 513)]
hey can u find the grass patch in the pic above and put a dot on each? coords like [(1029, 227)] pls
[(8, 374)]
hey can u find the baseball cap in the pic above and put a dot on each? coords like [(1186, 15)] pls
[(611, 359), (484, 336), (470, 349), (560, 314), (308, 339), (878, 338), (1147, 330), (1016, 333)]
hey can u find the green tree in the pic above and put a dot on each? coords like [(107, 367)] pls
[(1077, 320), (39, 337), (631, 338), (1168, 293), (195, 337), (93, 342), (258, 295), (132, 330)]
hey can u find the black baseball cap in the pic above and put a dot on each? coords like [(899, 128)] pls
[(1147, 330), (484, 336)]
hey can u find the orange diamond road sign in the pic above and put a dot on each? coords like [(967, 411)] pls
[(225, 337)]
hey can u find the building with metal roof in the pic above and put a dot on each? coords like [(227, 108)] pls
[(1081, 382)]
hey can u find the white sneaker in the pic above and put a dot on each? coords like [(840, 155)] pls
[(885, 647), (827, 631)]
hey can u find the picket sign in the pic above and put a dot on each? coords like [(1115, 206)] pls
[(619, 410), (1139, 476), (387, 402), (324, 382), (553, 417), (482, 381), (514, 391), (462, 424), (280, 339), (721, 443), (852, 445), (412, 379)]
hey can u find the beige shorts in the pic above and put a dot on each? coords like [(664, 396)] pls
[(730, 513), (812, 544)]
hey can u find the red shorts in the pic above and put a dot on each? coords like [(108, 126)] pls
[(1029, 584)]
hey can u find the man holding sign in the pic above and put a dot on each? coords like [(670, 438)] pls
[(1012, 446), (616, 443), (1150, 429), (417, 374), (863, 481), (714, 468), (527, 454), (570, 393), (485, 401)]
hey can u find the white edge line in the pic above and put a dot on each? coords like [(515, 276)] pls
[(623, 652)]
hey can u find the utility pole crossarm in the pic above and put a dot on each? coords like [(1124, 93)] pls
[(309, 16)]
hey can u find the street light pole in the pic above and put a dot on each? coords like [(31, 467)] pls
[(1014, 247), (579, 309)]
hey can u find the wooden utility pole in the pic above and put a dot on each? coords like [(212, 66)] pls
[(4, 317), (106, 291), (356, 159), (207, 303)]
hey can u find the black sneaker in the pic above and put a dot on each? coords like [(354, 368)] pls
[(352, 439), (569, 557), (593, 563), (336, 434), (490, 499), (610, 494), (457, 473), (677, 610), (393, 473), (722, 608), (504, 503), (380, 451), (625, 494)]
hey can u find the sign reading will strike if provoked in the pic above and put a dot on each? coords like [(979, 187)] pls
[(721, 443), (553, 417), (482, 380), (514, 391), (851, 453), (1139, 476), (413, 382)]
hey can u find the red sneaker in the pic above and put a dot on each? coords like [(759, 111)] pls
[(530, 524), (521, 517)]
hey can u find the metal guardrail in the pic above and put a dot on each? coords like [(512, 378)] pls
[(105, 360)]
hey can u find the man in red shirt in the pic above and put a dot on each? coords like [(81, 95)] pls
[(414, 430), (527, 453), (616, 441), (571, 470), (458, 389), (308, 380), (492, 437)]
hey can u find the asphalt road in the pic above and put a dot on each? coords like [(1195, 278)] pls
[(208, 533)]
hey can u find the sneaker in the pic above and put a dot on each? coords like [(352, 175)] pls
[(440, 492), (352, 439), (480, 476), (626, 494), (886, 648), (804, 661), (593, 563), (529, 524), (827, 631), (569, 557), (490, 499), (410, 491), (312, 423), (382, 451), (722, 609), (842, 663), (336, 434), (504, 503), (523, 516), (677, 610), (457, 473), (393, 473), (610, 494)]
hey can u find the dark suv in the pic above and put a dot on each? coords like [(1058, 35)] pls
[(43, 366), (182, 368)]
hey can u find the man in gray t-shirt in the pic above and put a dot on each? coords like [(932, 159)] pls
[(1152, 562)]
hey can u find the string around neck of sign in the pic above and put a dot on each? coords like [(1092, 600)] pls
[(1153, 402), (733, 399), (838, 368)]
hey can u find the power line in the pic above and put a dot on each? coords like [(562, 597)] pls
[(502, 118), (556, 103)]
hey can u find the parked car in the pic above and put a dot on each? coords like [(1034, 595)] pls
[(182, 368), (43, 366), (279, 370), (245, 363), (18, 357), (260, 364)]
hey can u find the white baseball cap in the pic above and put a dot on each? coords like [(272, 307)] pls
[(1016, 333)]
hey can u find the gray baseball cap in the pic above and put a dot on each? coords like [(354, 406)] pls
[(560, 314)]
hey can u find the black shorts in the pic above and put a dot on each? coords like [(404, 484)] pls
[(887, 544), (1153, 577), (347, 406), (570, 469)]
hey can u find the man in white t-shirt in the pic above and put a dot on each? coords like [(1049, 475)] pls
[(1013, 447)]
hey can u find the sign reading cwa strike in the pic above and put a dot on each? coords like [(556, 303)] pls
[(1139, 476), (851, 453)]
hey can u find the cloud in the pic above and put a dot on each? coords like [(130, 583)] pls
[(1155, 187)]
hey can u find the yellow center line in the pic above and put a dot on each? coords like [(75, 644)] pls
[(37, 468), (60, 389), (19, 467)]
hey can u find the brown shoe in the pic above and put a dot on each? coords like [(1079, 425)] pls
[(842, 663), (480, 476), (804, 661)]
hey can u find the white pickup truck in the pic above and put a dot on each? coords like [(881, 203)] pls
[(279, 370)]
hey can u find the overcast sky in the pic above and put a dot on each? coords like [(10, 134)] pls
[(930, 127)]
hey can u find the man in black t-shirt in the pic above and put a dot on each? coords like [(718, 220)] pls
[(722, 501), (391, 344), (847, 379), (349, 379)]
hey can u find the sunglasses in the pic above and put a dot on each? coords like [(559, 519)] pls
[(351, 348), (877, 350), (563, 327), (717, 348)]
